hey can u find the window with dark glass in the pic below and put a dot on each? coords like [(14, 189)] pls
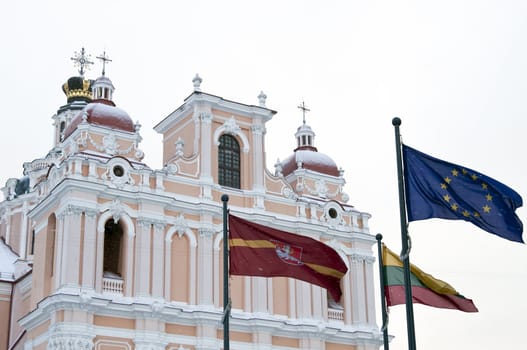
[(113, 234), (229, 162), (32, 250)]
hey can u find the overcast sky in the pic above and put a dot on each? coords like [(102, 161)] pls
[(455, 72)]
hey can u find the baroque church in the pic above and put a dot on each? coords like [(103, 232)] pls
[(100, 251)]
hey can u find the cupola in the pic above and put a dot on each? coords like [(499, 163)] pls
[(306, 155), (102, 87)]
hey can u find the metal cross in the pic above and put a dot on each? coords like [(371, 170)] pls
[(104, 59), (82, 60), (304, 110)]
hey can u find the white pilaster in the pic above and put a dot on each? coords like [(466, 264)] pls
[(205, 263), (370, 292), (92, 169), (72, 244), (99, 257), (142, 258), (292, 298), (347, 302), (60, 262), (262, 340), (157, 261), (248, 294), (303, 301), (89, 250), (206, 145), (129, 260), (258, 131), (358, 295), (259, 294), (217, 268), (206, 337), (319, 299)]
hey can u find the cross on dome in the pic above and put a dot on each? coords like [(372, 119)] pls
[(104, 59), (82, 60), (304, 110), (305, 137)]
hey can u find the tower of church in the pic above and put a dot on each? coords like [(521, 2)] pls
[(101, 251)]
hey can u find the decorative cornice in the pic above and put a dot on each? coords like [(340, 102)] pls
[(67, 334)]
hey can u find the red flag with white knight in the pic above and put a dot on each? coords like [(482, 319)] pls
[(258, 250)]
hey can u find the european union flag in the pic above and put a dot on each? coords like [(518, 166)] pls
[(438, 189)]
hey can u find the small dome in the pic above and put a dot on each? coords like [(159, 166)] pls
[(102, 88), (103, 80), (103, 113), (310, 160)]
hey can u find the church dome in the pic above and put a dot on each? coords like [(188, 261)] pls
[(104, 113), (310, 159), (306, 155), (78, 89)]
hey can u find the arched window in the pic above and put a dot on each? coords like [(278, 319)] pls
[(113, 234), (229, 162)]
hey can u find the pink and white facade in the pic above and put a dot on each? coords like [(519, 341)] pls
[(100, 251)]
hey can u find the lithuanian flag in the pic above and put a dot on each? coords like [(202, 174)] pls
[(426, 289), (258, 250)]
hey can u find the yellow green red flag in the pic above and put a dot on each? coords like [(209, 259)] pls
[(426, 289)]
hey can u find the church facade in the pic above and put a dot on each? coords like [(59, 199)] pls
[(101, 251)]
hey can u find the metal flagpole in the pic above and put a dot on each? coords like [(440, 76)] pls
[(383, 298), (405, 255), (226, 299)]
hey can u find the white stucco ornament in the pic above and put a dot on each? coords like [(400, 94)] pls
[(110, 144), (261, 99), (197, 82)]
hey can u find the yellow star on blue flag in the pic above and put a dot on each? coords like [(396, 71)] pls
[(438, 189)]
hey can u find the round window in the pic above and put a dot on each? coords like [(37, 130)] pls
[(118, 171), (332, 213)]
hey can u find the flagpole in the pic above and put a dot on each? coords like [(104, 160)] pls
[(405, 255), (383, 297), (226, 299)]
